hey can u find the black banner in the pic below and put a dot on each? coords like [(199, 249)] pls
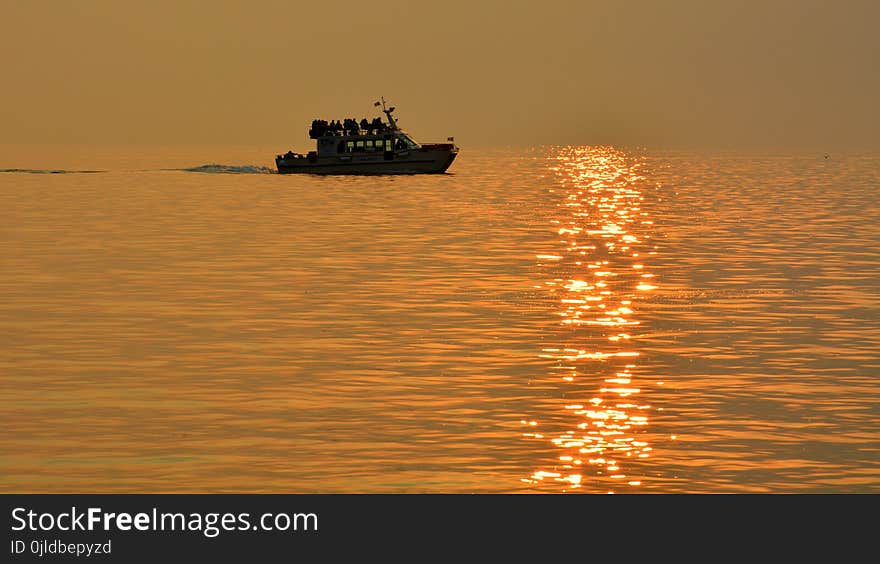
[(286, 528)]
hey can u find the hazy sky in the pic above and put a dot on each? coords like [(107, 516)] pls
[(687, 73)]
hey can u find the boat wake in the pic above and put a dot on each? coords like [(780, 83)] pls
[(40, 171), (229, 169), (207, 169)]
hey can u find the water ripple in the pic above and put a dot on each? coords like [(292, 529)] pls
[(651, 321)]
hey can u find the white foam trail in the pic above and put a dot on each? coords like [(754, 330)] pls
[(230, 169)]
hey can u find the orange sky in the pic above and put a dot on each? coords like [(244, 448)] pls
[(682, 73)]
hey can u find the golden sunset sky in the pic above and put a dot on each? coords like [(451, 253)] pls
[(678, 73)]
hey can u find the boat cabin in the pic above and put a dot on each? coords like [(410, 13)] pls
[(345, 137), (332, 145)]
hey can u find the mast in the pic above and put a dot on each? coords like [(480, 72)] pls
[(387, 111)]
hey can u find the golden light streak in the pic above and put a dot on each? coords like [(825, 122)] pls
[(595, 282)]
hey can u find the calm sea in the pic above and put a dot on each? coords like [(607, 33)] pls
[(579, 319)]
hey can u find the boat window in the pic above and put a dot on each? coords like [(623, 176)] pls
[(389, 145)]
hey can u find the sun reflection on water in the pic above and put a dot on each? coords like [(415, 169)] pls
[(597, 277)]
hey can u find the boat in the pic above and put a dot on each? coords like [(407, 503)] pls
[(374, 147)]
